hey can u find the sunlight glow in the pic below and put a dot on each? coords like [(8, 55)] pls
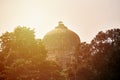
[(85, 17)]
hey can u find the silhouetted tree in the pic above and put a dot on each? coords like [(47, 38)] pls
[(105, 48)]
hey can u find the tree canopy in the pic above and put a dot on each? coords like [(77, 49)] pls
[(105, 48), (23, 57)]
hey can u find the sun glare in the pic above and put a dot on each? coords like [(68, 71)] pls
[(31, 15)]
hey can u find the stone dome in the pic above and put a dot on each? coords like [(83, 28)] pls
[(61, 38), (61, 44)]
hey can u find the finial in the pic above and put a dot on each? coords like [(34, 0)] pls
[(61, 25), (60, 22)]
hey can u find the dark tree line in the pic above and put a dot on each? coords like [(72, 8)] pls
[(22, 57), (99, 60), (105, 48)]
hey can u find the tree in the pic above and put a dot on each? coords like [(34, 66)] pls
[(5, 43), (24, 57), (105, 48), (81, 69)]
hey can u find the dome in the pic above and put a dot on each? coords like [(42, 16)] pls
[(61, 38), (61, 44)]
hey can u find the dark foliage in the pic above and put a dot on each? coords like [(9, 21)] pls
[(105, 48)]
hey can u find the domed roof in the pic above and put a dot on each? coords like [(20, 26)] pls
[(61, 38)]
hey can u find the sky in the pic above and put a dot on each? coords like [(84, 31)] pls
[(85, 17)]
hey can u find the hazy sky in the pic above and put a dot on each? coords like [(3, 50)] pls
[(85, 17)]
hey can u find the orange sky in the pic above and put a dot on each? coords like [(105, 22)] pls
[(85, 17)]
